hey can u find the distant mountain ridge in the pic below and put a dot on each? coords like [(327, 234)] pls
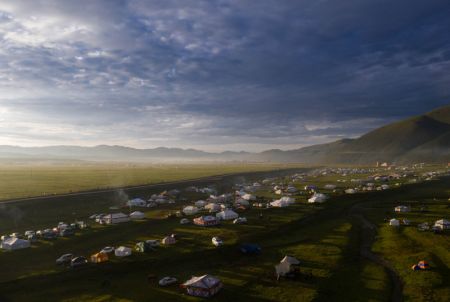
[(424, 138)]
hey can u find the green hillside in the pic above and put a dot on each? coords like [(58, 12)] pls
[(421, 138)]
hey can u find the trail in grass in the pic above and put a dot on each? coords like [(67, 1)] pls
[(369, 231)]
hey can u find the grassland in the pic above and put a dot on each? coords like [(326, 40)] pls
[(19, 181), (326, 238)]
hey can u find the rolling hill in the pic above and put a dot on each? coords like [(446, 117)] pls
[(421, 138)]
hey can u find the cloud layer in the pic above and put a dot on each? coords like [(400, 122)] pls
[(217, 75)]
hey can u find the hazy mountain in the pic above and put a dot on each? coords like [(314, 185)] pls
[(421, 138)]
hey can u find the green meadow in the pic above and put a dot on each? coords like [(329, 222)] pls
[(326, 238), (28, 180)]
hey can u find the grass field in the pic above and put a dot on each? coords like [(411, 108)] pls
[(326, 238), (17, 181)]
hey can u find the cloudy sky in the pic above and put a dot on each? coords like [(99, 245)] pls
[(217, 75)]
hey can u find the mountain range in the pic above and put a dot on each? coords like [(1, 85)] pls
[(424, 138)]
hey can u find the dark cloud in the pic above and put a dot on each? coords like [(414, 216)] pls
[(217, 74)]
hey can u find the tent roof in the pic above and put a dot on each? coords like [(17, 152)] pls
[(205, 281), (290, 260)]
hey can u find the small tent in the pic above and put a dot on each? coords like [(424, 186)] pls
[(190, 210), (442, 224), (168, 240), (206, 221), (143, 247), (203, 286), (213, 207), (288, 265), (115, 218), (137, 215), (330, 187), (122, 251), (14, 243), (136, 202), (423, 265), (279, 203), (99, 257), (310, 188), (317, 198), (394, 222), (402, 209), (415, 267), (227, 214)]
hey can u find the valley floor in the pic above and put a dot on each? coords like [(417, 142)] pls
[(346, 249)]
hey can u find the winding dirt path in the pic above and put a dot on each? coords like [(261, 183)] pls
[(369, 231)]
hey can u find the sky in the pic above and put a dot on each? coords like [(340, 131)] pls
[(217, 75)]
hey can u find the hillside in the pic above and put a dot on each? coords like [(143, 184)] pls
[(421, 138)]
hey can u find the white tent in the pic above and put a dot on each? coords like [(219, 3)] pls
[(402, 209), (200, 203), (290, 200), (137, 215), (213, 207), (122, 251), (249, 197), (136, 202), (317, 198), (203, 286), (350, 191), (279, 203), (190, 210), (330, 187), (115, 218), (227, 214), (15, 244), (442, 224), (168, 240), (287, 265), (394, 222)]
